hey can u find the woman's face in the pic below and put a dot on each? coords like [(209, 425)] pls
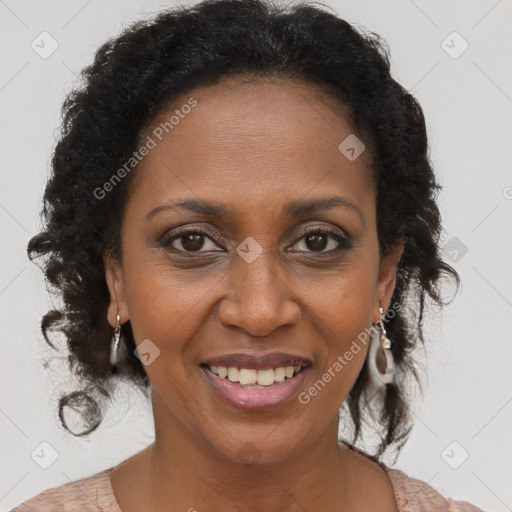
[(285, 268)]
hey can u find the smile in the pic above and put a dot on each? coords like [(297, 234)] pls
[(255, 390), (251, 378)]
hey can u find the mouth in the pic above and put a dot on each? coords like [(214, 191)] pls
[(255, 384), (249, 378)]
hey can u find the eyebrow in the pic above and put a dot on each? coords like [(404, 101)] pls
[(295, 208)]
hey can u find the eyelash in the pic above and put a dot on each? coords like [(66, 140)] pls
[(344, 243)]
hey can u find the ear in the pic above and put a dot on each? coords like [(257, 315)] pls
[(115, 283), (387, 278)]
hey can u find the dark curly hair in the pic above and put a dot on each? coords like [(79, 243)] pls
[(138, 74)]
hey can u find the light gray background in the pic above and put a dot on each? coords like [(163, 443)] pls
[(468, 105)]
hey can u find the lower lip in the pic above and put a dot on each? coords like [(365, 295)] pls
[(255, 399)]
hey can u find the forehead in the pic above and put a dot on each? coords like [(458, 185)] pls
[(244, 137)]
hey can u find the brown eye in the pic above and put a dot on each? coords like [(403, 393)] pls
[(316, 242), (191, 241), (323, 241)]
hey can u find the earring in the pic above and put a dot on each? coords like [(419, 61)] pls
[(114, 346), (380, 359)]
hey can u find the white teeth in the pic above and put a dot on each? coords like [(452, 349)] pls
[(233, 374), (279, 374), (250, 377), (265, 377), (247, 377)]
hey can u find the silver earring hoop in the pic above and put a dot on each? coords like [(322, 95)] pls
[(380, 359), (114, 346)]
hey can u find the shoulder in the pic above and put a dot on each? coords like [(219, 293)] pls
[(418, 496), (88, 494), (367, 477), (413, 495)]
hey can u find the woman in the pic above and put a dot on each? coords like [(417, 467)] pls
[(240, 213)]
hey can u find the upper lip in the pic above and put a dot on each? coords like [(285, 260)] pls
[(260, 362)]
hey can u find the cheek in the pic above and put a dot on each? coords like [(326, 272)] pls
[(343, 315), (169, 307), (343, 301), (342, 344)]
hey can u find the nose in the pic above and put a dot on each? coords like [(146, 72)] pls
[(260, 299)]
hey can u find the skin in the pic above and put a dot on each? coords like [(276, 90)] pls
[(252, 146)]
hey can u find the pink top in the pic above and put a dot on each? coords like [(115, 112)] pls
[(95, 494)]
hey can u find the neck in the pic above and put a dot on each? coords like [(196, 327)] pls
[(181, 468)]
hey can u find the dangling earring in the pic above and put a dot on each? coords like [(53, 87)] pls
[(114, 346), (380, 359)]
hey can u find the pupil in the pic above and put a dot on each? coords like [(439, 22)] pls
[(192, 242), (316, 242)]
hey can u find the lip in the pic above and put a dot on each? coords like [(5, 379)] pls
[(256, 399), (259, 362)]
